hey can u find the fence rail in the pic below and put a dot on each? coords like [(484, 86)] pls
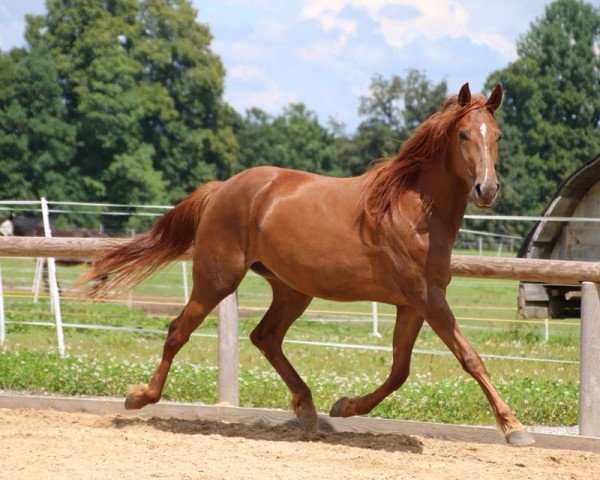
[(548, 271), (504, 268)]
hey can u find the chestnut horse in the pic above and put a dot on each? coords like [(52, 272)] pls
[(385, 236)]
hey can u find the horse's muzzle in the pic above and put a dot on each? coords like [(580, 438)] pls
[(484, 195)]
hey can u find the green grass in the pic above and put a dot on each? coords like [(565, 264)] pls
[(104, 362)]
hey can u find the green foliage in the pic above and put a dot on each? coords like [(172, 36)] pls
[(116, 101), (104, 362), (186, 125), (121, 101), (393, 109), (294, 139), (551, 111), (13, 144), (36, 141)]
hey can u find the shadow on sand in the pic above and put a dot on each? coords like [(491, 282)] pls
[(288, 432)]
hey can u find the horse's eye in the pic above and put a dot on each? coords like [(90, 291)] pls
[(462, 135), (499, 137)]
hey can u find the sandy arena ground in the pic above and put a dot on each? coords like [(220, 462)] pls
[(52, 445)]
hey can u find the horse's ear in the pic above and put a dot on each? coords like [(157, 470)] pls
[(11, 216), (495, 99), (464, 96)]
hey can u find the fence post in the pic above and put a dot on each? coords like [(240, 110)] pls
[(589, 367), (37, 279), (186, 292), (375, 315), (53, 283), (2, 317), (227, 332)]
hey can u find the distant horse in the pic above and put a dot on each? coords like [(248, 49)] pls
[(26, 226), (385, 236)]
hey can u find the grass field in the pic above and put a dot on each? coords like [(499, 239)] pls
[(104, 362)]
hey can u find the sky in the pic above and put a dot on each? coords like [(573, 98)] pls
[(324, 53)]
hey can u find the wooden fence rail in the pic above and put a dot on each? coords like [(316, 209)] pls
[(546, 271), (531, 270)]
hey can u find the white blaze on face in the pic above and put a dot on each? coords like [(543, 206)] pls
[(7, 228), (483, 130)]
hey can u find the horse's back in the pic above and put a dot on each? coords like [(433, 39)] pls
[(270, 197), (252, 195)]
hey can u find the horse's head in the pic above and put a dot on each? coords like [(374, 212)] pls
[(7, 228), (476, 139)]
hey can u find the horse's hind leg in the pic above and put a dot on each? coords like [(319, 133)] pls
[(408, 325), (287, 305), (208, 290)]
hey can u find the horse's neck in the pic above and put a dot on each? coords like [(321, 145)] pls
[(447, 196)]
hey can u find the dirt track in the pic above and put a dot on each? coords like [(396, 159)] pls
[(53, 445)]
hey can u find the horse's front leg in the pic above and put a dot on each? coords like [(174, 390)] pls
[(442, 321), (408, 325)]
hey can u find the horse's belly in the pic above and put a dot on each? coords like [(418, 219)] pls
[(327, 264)]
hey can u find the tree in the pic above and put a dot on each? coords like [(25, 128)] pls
[(37, 142), (143, 91), (393, 109), (551, 112), (13, 119), (189, 131), (293, 139)]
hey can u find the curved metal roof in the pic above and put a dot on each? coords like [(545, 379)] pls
[(541, 238)]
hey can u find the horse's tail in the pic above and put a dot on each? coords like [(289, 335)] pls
[(168, 239)]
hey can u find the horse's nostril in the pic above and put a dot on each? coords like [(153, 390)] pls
[(497, 187), (478, 189)]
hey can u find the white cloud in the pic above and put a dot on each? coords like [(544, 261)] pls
[(495, 41), (250, 52), (330, 22), (271, 99), (246, 73), (366, 54), (270, 29), (266, 94), (433, 20), (321, 50)]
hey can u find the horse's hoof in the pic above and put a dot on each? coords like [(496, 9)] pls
[(520, 438), (135, 397), (307, 423), (340, 407)]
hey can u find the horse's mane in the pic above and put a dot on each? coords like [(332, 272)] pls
[(390, 177)]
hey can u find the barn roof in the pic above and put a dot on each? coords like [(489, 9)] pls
[(543, 235)]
